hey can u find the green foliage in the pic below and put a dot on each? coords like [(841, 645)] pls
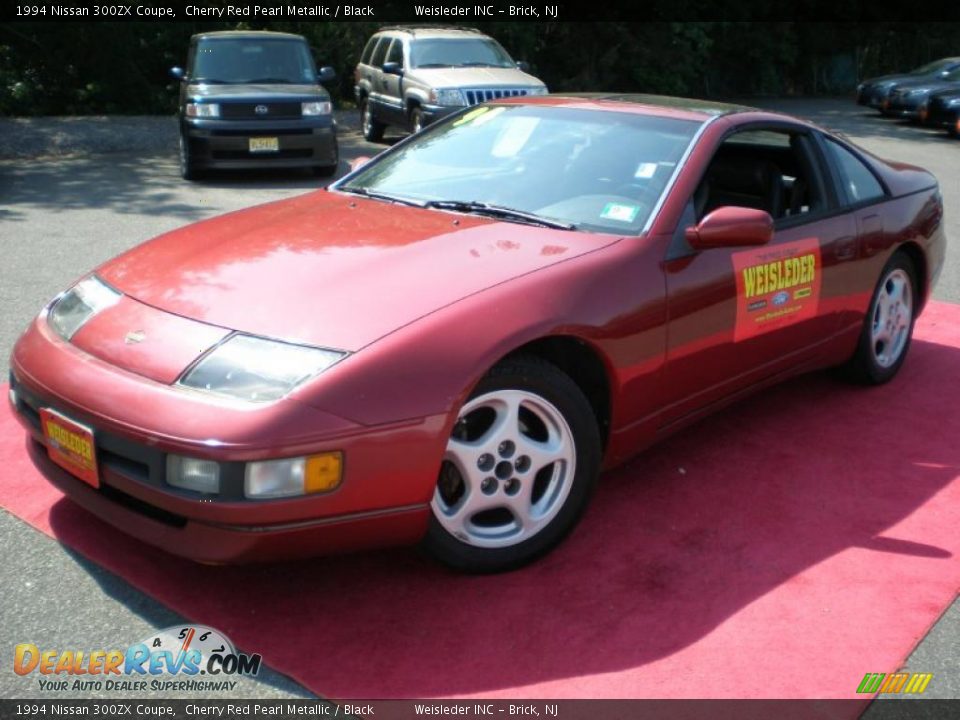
[(94, 68)]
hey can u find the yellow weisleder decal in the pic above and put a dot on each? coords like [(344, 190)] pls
[(779, 275), (777, 285)]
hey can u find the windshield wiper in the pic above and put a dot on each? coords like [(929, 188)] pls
[(499, 212), (381, 196), (283, 81)]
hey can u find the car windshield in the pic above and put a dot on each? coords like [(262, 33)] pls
[(933, 67), (252, 61), (458, 52), (602, 171)]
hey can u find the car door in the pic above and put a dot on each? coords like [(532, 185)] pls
[(392, 85), (374, 75), (740, 314)]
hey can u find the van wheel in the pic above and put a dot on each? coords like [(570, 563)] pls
[(188, 166), (372, 130)]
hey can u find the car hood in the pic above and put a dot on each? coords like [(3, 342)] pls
[(927, 85), (332, 269), (947, 93), (888, 80), (252, 91), (469, 77)]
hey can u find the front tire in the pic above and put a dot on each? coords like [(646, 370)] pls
[(326, 171), (416, 120), (888, 325), (188, 166), (519, 469), (372, 130)]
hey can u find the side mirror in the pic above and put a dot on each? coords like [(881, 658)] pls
[(359, 162), (731, 227), (177, 73), (523, 66), (326, 74), (392, 68)]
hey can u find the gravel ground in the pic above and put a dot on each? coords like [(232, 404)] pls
[(22, 138)]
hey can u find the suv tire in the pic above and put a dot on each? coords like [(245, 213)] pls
[(372, 130)]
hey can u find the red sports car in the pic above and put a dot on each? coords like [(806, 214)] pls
[(451, 342)]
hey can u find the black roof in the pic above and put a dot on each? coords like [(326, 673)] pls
[(707, 107), (246, 35)]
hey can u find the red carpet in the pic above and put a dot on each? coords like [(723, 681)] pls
[(780, 549)]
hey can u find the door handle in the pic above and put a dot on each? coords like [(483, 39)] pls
[(846, 248)]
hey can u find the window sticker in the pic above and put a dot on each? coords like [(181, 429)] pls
[(470, 116), (620, 212), (777, 286), (646, 171), (479, 116)]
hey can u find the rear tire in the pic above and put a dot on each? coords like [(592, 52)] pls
[(519, 469), (888, 325), (372, 129)]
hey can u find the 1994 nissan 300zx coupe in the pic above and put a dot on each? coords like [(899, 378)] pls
[(450, 343)]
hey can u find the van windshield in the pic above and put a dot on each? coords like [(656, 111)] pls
[(252, 61)]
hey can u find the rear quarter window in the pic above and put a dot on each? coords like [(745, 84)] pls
[(859, 183), (381, 51), (368, 51)]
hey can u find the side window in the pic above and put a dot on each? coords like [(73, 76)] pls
[(380, 52), (768, 170), (368, 50), (396, 52), (859, 183)]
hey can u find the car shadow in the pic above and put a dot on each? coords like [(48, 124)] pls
[(685, 537)]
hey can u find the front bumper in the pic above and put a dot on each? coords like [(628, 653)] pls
[(383, 499), (432, 113), (942, 115), (872, 97), (225, 144), (907, 109)]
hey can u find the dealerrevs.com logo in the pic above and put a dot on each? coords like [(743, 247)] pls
[(182, 658)]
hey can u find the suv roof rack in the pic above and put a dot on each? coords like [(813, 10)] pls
[(412, 29)]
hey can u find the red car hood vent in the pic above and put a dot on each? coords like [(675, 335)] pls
[(330, 269)]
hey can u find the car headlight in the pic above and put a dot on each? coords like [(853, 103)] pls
[(256, 369), (542, 90), (80, 303), (293, 476), (203, 110), (316, 108), (448, 96), (953, 101)]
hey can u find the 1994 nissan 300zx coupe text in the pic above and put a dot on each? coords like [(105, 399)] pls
[(449, 344)]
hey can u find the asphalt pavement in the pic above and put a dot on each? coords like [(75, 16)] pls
[(62, 216)]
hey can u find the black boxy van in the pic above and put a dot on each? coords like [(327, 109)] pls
[(254, 99)]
